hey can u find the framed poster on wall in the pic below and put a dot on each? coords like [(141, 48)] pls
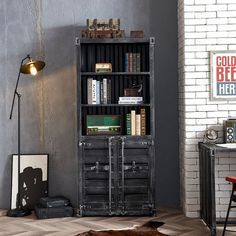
[(32, 178), (223, 75)]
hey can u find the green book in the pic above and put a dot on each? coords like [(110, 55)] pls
[(128, 124)]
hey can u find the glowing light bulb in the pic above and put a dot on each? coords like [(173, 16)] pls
[(33, 70)]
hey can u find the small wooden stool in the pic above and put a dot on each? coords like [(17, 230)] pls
[(231, 179)]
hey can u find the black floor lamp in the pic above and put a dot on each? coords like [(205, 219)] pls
[(30, 67)]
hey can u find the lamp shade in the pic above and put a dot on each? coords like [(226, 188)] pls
[(32, 65)]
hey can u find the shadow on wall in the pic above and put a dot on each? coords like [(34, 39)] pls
[(60, 47), (60, 109), (59, 106)]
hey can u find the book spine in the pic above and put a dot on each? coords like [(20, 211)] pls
[(130, 102), (130, 98), (89, 90), (98, 92), (94, 91), (104, 90), (143, 121), (133, 121), (138, 62), (130, 62), (138, 124), (101, 93), (109, 91), (126, 62), (134, 65), (128, 124)]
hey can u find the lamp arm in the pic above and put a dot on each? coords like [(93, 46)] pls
[(17, 82)]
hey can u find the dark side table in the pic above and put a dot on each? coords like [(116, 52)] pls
[(207, 153)]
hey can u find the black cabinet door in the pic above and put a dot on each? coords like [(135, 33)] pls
[(135, 176), (96, 182)]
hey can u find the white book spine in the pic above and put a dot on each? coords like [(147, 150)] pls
[(131, 98), (138, 124), (130, 102), (133, 122), (98, 101), (104, 90), (94, 91)]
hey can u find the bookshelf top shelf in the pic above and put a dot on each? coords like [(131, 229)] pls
[(114, 73), (114, 105)]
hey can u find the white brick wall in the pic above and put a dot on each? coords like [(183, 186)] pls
[(204, 26)]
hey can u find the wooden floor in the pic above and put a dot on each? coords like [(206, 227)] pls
[(175, 224)]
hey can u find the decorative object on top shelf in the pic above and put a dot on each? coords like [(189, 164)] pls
[(103, 28), (136, 34), (103, 67), (210, 136)]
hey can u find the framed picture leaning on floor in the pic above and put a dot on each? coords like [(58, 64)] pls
[(32, 178)]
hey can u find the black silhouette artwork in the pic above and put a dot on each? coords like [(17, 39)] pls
[(32, 187)]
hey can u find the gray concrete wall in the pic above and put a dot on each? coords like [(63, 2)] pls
[(163, 23), (46, 29)]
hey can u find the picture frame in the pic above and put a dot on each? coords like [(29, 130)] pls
[(223, 75), (32, 177)]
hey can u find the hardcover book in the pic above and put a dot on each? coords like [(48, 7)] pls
[(130, 62), (128, 124), (133, 122), (138, 99), (134, 64), (89, 90), (130, 100), (94, 91), (98, 101), (143, 121), (104, 90), (138, 62), (138, 125), (109, 91)]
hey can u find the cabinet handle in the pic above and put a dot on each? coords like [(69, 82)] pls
[(110, 181), (134, 166), (123, 172), (97, 167)]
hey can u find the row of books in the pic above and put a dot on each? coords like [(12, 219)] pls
[(132, 62), (98, 92), (130, 100), (136, 123)]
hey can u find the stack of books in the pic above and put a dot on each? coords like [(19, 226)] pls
[(130, 100), (98, 92), (136, 123), (132, 62)]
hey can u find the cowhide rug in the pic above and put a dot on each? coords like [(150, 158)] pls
[(147, 229)]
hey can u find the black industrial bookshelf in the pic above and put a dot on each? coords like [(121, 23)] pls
[(116, 172)]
